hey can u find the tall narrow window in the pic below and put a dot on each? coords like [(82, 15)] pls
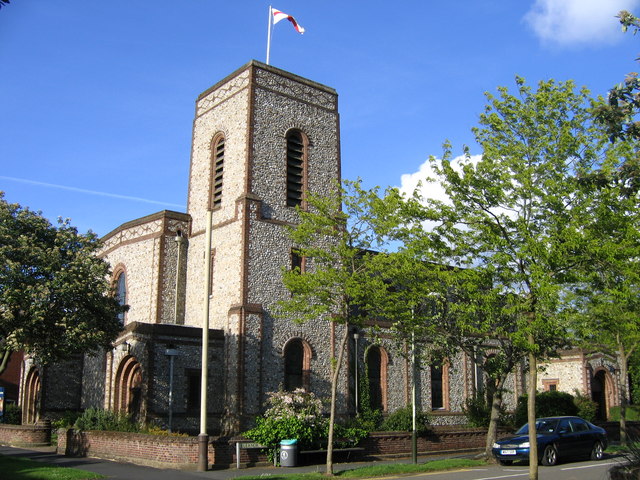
[(295, 168), (121, 293), (297, 261), (194, 379), (218, 170), (377, 361), (374, 364), (293, 365), (437, 391)]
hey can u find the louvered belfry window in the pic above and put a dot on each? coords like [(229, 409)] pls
[(295, 168), (218, 165)]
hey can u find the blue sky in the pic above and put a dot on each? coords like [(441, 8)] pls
[(97, 98)]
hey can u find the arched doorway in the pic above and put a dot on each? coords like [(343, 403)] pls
[(601, 393), (128, 391), (376, 361), (32, 397)]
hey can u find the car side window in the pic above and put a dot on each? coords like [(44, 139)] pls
[(564, 427), (579, 425)]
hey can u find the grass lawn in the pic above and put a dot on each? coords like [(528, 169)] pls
[(23, 469), (376, 470)]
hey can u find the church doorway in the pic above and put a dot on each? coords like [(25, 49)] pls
[(128, 392), (32, 397), (601, 393)]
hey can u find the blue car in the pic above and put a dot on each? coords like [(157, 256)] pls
[(558, 437)]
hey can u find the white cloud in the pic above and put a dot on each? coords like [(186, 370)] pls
[(573, 22), (409, 181)]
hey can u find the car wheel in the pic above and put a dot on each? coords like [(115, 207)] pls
[(597, 452), (505, 462), (549, 456)]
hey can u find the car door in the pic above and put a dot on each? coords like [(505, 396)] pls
[(566, 439), (584, 437)]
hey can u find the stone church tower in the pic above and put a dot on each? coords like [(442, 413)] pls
[(260, 138)]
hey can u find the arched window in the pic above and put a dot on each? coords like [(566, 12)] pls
[(376, 363), (217, 161), (297, 360), (440, 386), (121, 293), (296, 171)]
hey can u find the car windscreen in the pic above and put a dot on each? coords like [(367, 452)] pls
[(542, 426)]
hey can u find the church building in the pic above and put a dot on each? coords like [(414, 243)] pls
[(261, 137)]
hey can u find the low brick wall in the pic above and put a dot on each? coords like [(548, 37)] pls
[(437, 440), (182, 452), (25, 435), (152, 450)]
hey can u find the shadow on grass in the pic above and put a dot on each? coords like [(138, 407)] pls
[(376, 470)]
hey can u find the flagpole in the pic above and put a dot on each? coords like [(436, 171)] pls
[(269, 35)]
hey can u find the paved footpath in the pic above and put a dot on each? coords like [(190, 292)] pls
[(129, 471)]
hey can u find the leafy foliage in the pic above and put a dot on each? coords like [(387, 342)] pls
[(12, 414), (587, 408), (291, 415), (402, 421), (66, 420), (98, 419), (548, 404), (620, 112), (55, 297), (512, 228), (477, 410)]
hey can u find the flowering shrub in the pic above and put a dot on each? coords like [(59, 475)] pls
[(290, 415)]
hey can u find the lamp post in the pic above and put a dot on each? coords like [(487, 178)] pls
[(203, 437), (414, 433), (356, 335), (171, 352)]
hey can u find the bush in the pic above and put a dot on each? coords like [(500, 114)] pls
[(369, 419), (548, 404), (402, 421), (587, 408), (478, 411), (12, 414), (291, 415), (67, 420), (98, 419)]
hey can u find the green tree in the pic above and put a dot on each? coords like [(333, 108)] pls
[(517, 213), (610, 295), (444, 309), (55, 297), (335, 236)]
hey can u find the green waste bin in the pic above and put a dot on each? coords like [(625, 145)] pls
[(289, 453)]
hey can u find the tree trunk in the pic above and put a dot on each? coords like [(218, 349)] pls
[(496, 405), (4, 359), (624, 394), (531, 414), (335, 377)]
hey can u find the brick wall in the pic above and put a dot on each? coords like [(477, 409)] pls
[(152, 450), (25, 435)]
